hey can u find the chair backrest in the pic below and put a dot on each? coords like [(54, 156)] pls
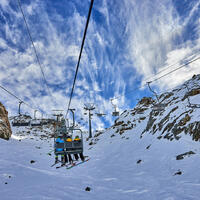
[(68, 144), (115, 113), (77, 143), (59, 145)]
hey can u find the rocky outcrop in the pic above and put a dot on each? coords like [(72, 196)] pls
[(179, 116), (5, 130)]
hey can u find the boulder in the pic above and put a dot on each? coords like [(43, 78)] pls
[(5, 129)]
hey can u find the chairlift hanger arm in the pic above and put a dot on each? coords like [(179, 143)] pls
[(19, 109), (72, 111), (148, 83)]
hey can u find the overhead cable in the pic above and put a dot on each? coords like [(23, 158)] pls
[(79, 58), (20, 100), (36, 54), (169, 66), (191, 61), (156, 79)]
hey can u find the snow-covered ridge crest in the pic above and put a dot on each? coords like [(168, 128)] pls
[(180, 115)]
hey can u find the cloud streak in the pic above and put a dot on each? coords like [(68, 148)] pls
[(127, 42)]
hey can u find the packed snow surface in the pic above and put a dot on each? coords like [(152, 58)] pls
[(121, 167)]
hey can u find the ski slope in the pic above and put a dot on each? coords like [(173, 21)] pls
[(113, 172)]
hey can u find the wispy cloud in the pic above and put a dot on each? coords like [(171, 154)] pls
[(127, 41)]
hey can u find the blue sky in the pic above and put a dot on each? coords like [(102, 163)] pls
[(127, 42)]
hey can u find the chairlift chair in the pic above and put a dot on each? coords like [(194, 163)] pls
[(100, 114), (191, 105), (20, 123), (44, 122), (115, 113), (62, 133), (75, 147), (36, 122), (21, 120), (159, 107)]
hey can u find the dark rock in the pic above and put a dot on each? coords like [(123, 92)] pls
[(146, 101), (32, 161), (139, 161), (181, 156), (178, 173), (148, 146), (87, 189), (6, 183), (91, 143)]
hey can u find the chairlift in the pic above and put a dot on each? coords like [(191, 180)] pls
[(157, 107), (17, 122), (73, 147), (100, 114), (36, 122), (191, 105), (115, 113), (21, 120), (44, 122)]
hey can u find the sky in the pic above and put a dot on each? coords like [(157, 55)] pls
[(128, 43)]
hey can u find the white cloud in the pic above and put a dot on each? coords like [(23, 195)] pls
[(152, 41), (4, 3)]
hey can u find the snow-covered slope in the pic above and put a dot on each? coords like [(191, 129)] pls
[(180, 115), (137, 158)]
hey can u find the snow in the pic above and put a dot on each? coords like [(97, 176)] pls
[(122, 167), (112, 172)]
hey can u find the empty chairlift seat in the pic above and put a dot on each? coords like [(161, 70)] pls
[(36, 122), (158, 107), (115, 113), (21, 121)]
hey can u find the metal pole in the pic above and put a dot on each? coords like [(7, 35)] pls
[(90, 126), (72, 110), (35, 114), (89, 107)]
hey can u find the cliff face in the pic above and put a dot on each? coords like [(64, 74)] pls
[(179, 116), (5, 130)]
